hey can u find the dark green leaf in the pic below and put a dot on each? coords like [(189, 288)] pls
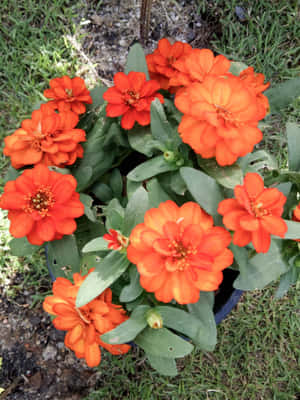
[(146, 170), (88, 230), (283, 94), (116, 183), (203, 188), (97, 96), (136, 60), (203, 311), (260, 159), (83, 176), (261, 269), (177, 183), (88, 202), (163, 365), (132, 187), (21, 247), (293, 136), (160, 127), (228, 177), (107, 271), (286, 281), (135, 210), (133, 290), (128, 330), (141, 140), (195, 328), (102, 191), (63, 253), (293, 230), (114, 213), (163, 343), (156, 193), (98, 244)]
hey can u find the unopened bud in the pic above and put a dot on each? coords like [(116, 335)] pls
[(154, 319), (169, 156)]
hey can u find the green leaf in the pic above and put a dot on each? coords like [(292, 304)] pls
[(163, 343), (177, 183), (203, 188), (163, 365), (282, 95), (136, 60), (203, 311), (114, 213), (116, 183), (293, 137), (107, 271), (88, 202), (132, 187), (88, 230), (228, 177), (63, 253), (102, 191), (237, 67), (156, 193), (128, 330), (253, 162), (98, 244), (160, 127), (134, 289), (261, 269), (97, 97), (83, 175), (146, 170), (21, 247), (11, 174), (135, 210), (198, 330), (286, 281), (141, 140), (293, 230)]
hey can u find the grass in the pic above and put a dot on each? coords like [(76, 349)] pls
[(258, 351)]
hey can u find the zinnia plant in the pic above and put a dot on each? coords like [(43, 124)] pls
[(153, 195)]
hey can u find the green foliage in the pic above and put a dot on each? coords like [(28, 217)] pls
[(21, 247), (163, 365), (97, 96), (293, 136), (136, 60), (135, 210), (150, 168), (293, 230), (228, 177), (98, 244), (128, 330), (88, 202), (106, 272), (283, 94), (141, 140), (63, 255), (156, 193), (133, 290)]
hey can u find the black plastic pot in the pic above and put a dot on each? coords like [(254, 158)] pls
[(226, 297)]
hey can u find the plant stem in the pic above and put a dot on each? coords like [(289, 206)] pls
[(145, 20)]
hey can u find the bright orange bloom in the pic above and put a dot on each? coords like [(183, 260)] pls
[(197, 65), (85, 324), (68, 94), (256, 82), (48, 138), (42, 205), (178, 252), (254, 214), (131, 97), (161, 63), (220, 118), (116, 240)]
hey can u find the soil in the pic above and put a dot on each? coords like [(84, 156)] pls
[(35, 363)]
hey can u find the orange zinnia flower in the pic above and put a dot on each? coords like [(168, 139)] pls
[(131, 97), (48, 138), (161, 63), (256, 82), (68, 94), (220, 118), (85, 324), (179, 252), (116, 240), (197, 65), (254, 214), (42, 205)]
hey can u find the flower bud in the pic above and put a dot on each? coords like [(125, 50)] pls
[(169, 156), (154, 319)]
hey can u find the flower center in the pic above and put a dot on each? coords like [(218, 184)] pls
[(180, 253), (41, 201), (84, 315), (171, 60), (258, 209), (131, 97), (69, 92)]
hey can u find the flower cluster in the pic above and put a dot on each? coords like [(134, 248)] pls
[(84, 325)]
